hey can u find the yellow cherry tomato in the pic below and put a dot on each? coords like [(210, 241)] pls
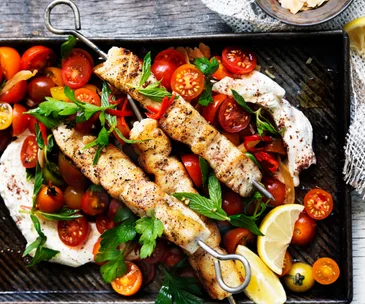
[(6, 115), (299, 278), (59, 94)]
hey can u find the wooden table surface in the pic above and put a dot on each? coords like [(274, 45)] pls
[(128, 18)]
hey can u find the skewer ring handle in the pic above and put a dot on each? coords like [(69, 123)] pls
[(75, 32), (218, 270)]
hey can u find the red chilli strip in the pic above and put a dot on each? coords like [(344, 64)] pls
[(43, 129), (120, 113), (158, 113), (267, 161), (252, 141)]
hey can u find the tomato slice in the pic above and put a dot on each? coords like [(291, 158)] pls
[(130, 283), (232, 117), (16, 93), (325, 271), (163, 70), (172, 56), (276, 188), (6, 115), (318, 204), (73, 232), (9, 61), (187, 81), (29, 152), (55, 74), (235, 237), (209, 112), (37, 58), (20, 120), (222, 71), (192, 165), (103, 223), (75, 52), (232, 203), (238, 61), (76, 71)]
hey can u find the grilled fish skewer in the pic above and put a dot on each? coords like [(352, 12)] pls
[(171, 176)]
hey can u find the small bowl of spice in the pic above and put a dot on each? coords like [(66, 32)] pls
[(303, 12)]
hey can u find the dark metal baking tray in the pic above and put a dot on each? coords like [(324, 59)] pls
[(320, 89)]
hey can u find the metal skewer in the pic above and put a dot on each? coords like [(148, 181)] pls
[(219, 257)]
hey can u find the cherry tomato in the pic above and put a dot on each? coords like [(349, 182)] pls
[(73, 232), (20, 120), (172, 56), (222, 70), (232, 203), (73, 197), (93, 88), (318, 204), (299, 277), (16, 93), (304, 230), (232, 117), (31, 126), (50, 199), (94, 202), (288, 262), (238, 61), (173, 256), (163, 70), (59, 94), (29, 152), (325, 271), (6, 115), (55, 74), (148, 271), (192, 165), (96, 250), (187, 81), (104, 223), (9, 61), (71, 174), (209, 112), (39, 88), (159, 253), (276, 188), (114, 206), (76, 72), (235, 237), (5, 139), (37, 58), (77, 52), (130, 283)]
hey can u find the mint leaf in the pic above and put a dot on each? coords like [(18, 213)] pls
[(64, 214), (67, 46), (204, 168), (239, 99), (264, 125), (38, 182), (253, 158), (244, 221), (146, 69), (215, 191), (38, 136), (206, 66)]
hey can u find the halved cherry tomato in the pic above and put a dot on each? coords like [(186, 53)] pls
[(73, 197), (325, 271), (318, 204), (77, 52), (192, 165), (94, 202), (232, 203), (55, 74), (148, 271), (96, 250), (6, 116), (103, 223), (209, 112), (267, 161), (288, 262), (173, 256), (39, 88), (159, 253), (304, 230), (276, 188), (187, 81), (50, 199), (73, 232), (37, 58), (222, 70), (232, 117), (238, 61), (76, 72), (235, 237), (31, 126), (129, 283), (71, 174), (20, 120), (9, 61), (16, 93), (29, 152), (172, 56), (93, 88), (163, 70)]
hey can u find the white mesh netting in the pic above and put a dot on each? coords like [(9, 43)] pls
[(246, 15)]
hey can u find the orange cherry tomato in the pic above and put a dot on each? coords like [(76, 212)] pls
[(50, 199), (15, 94), (76, 71), (9, 61), (222, 70), (55, 74), (238, 61), (192, 165), (73, 197), (129, 283), (20, 120), (325, 271), (29, 152), (37, 58), (96, 250), (209, 112), (187, 81), (318, 204), (235, 237), (73, 232), (288, 262), (305, 229)]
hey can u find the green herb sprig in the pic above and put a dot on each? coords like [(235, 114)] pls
[(67, 46)]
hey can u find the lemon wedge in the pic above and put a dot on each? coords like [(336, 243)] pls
[(356, 31), (265, 287), (277, 227)]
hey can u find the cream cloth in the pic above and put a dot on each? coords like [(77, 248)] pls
[(246, 15)]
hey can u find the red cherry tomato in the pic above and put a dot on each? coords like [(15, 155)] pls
[(148, 271), (103, 223), (70, 173), (235, 237), (173, 256), (20, 120), (232, 117), (163, 70), (159, 253), (222, 70), (37, 58), (29, 152), (39, 88), (77, 52), (94, 202), (172, 56), (209, 112), (192, 165), (73, 232), (31, 126), (238, 61), (304, 230), (9, 61), (50, 199), (318, 204), (114, 206), (76, 71), (232, 203), (15, 94), (276, 188)]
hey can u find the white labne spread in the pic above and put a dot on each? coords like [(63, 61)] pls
[(294, 6), (17, 193), (298, 133)]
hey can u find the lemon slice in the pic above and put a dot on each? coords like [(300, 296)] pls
[(277, 227), (265, 287), (356, 31)]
